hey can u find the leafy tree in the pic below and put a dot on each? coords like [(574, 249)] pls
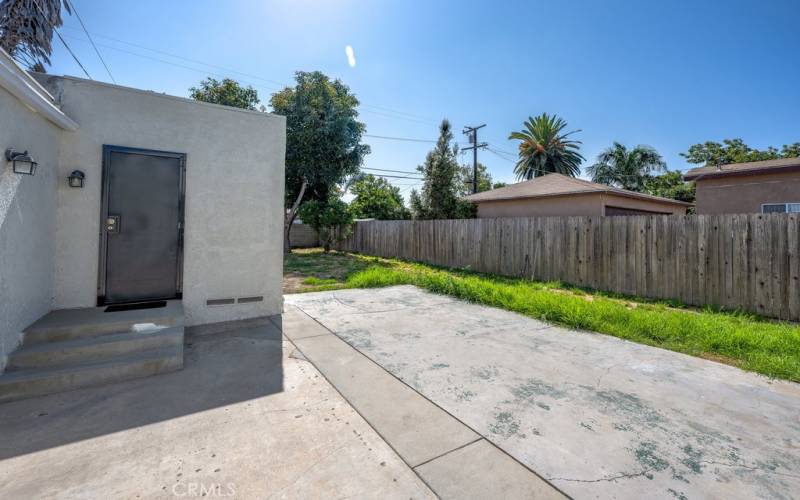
[(440, 195), (498, 185), (626, 168), (544, 148), (376, 198), (26, 30), (331, 219), (736, 151), (670, 185), (484, 179), (323, 139), (226, 92)]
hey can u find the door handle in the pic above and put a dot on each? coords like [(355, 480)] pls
[(112, 224)]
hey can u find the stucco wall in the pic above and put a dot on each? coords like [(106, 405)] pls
[(234, 194), (643, 205), (584, 204), (746, 193), (27, 209), (576, 204)]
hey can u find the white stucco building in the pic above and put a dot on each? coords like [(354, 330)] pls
[(181, 200)]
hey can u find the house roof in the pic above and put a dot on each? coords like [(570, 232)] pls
[(559, 185), (741, 168)]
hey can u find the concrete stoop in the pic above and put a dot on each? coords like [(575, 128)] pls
[(74, 348)]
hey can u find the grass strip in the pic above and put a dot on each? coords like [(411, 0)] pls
[(768, 347)]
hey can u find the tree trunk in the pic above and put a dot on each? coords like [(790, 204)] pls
[(289, 219)]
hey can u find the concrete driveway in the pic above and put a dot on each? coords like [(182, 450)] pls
[(596, 416)]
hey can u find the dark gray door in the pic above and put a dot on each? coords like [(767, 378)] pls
[(142, 225)]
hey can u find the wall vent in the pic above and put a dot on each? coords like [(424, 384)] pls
[(220, 302), (245, 300)]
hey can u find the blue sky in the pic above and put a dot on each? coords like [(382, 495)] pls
[(666, 74)]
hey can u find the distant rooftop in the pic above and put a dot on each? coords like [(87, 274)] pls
[(741, 168), (559, 185)]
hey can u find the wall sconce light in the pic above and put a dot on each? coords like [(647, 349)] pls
[(75, 179), (22, 163)]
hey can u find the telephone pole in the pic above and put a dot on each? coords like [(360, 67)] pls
[(472, 132)]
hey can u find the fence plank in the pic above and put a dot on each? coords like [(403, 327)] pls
[(750, 262)]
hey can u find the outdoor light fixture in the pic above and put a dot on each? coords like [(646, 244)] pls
[(22, 163), (75, 179)]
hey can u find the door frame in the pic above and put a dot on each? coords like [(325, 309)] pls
[(101, 270)]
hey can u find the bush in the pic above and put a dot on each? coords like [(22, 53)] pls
[(332, 220)]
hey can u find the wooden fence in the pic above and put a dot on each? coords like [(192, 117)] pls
[(749, 262)]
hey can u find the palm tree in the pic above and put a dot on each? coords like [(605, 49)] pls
[(545, 149), (26, 29), (628, 169)]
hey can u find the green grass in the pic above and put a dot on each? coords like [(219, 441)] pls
[(768, 347)]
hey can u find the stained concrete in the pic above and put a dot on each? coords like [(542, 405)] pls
[(417, 429), (597, 416), (245, 418), (451, 458)]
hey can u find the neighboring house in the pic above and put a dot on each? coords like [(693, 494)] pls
[(770, 186), (170, 199), (556, 194)]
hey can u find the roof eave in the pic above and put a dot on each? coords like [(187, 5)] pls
[(637, 196)]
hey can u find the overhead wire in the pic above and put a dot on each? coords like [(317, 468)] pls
[(78, 16), (44, 15)]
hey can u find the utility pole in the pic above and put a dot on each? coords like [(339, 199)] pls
[(472, 132)]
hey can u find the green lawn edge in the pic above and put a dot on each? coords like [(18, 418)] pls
[(771, 348)]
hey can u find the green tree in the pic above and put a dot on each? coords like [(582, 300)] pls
[(226, 92), (626, 168), (323, 139), (26, 30), (498, 185), (736, 151), (670, 185), (376, 198), (332, 220), (440, 195), (545, 148), (484, 179)]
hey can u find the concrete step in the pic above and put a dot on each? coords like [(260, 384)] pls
[(37, 382), (71, 324), (90, 349)]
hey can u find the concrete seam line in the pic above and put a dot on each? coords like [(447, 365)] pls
[(433, 403), (383, 438), (315, 336), (450, 451)]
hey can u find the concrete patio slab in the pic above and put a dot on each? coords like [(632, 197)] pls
[(243, 419), (595, 415), (448, 455), (481, 470), (417, 429)]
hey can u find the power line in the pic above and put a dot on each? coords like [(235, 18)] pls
[(72, 4), (407, 139), (398, 177), (44, 15), (388, 170), (382, 110)]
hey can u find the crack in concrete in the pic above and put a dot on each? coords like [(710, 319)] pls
[(750, 467), (622, 475), (600, 378)]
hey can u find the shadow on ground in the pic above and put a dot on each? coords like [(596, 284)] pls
[(219, 370)]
